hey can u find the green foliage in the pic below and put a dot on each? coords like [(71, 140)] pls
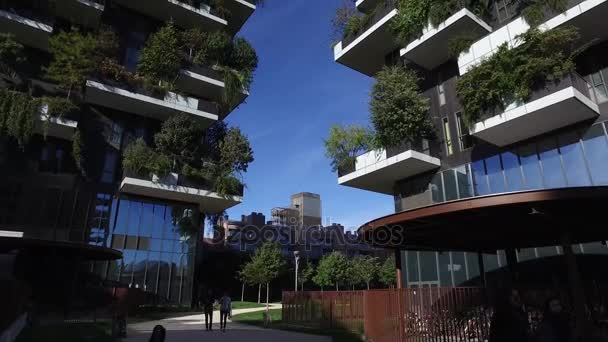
[(180, 140), (77, 151), (461, 43), (512, 74), (306, 272), (365, 269), (387, 273), (18, 112), (242, 56), (345, 20), (235, 151), (207, 48), (160, 59), (141, 160), (333, 269), (11, 54), (344, 145), (414, 15), (534, 13), (399, 112), (355, 24), (74, 58), (264, 266)]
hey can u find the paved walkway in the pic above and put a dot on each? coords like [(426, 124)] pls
[(192, 329)]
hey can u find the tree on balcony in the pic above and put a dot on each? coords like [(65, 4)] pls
[(74, 57), (11, 56), (399, 112), (348, 20), (160, 59), (344, 144), (511, 75), (535, 11)]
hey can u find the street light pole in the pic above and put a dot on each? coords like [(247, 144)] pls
[(296, 255)]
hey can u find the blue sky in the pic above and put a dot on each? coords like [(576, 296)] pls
[(298, 93)]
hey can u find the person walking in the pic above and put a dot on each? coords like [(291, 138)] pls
[(207, 304), (555, 326), (225, 310), (510, 322), (158, 334)]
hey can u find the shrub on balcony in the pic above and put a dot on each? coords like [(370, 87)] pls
[(160, 59), (399, 112), (344, 144), (511, 74), (74, 57), (534, 13), (11, 55), (142, 160)]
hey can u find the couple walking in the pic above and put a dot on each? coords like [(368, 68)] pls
[(225, 304)]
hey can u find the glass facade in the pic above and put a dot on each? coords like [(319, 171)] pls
[(570, 159), (158, 251)]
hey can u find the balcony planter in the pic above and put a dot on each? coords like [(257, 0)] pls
[(554, 106)]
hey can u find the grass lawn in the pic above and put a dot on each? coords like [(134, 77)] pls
[(256, 318), (246, 305), (80, 332)]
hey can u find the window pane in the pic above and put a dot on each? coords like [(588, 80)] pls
[(412, 266), (428, 266), (495, 176), (159, 221), (460, 275), (147, 220), (531, 167), (445, 274), (574, 163), (553, 175), (437, 188), (152, 275), (546, 251), (465, 188), (596, 150), (139, 269), (122, 220), (135, 211), (449, 182), (447, 137), (525, 254), (510, 162), (490, 262), (472, 265), (595, 248), (165, 266), (479, 178)]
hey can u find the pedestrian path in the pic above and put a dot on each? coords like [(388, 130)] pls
[(192, 329)]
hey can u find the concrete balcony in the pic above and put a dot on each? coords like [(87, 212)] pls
[(378, 171), (28, 30), (183, 14), (365, 51), (431, 49), (240, 11), (84, 12), (587, 16), (140, 102), (557, 105), (62, 128), (205, 82), (175, 187), (366, 6)]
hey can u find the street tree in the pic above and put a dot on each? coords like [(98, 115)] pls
[(307, 271), (387, 274), (332, 270), (366, 267)]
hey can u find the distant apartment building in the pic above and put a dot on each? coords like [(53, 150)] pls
[(304, 211)]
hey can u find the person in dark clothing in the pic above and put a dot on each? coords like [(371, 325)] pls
[(225, 310), (555, 326), (207, 304), (158, 334), (509, 322)]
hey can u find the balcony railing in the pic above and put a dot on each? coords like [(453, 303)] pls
[(380, 12), (554, 105), (177, 180)]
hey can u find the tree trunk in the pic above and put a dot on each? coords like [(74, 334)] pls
[(368, 285), (337, 288), (243, 292), (259, 293), (267, 294)]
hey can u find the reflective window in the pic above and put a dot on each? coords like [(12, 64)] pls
[(596, 150), (472, 265), (463, 178), (595, 248), (445, 274), (490, 262), (463, 133), (447, 137), (152, 275), (480, 180), (597, 84), (411, 259), (449, 183), (428, 266), (147, 220), (546, 251), (437, 188), (495, 175), (459, 268), (530, 166), (574, 162), (510, 162), (525, 254), (109, 167), (135, 211), (553, 175)]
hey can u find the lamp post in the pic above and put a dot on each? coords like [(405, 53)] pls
[(296, 256)]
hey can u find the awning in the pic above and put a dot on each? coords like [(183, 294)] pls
[(502, 221), (45, 248)]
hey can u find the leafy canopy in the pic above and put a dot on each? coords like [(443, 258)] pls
[(160, 59), (365, 268), (512, 74), (387, 274), (333, 269), (11, 54), (344, 144), (74, 58), (399, 112)]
